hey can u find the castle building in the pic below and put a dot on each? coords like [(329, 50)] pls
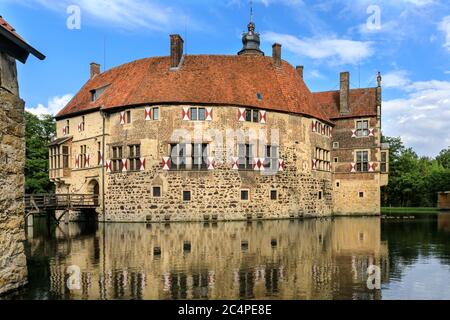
[(215, 137)]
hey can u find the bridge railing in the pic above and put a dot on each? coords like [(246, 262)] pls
[(61, 201)]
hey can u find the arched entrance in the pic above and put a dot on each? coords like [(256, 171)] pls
[(94, 189)]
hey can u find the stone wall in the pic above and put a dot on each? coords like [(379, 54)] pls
[(13, 267)]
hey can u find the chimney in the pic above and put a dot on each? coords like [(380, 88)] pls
[(95, 69), (345, 92), (176, 50), (276, 54), (300, 71)]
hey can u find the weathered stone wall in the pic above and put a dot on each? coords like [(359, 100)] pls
[(216, 193), (13, 267)]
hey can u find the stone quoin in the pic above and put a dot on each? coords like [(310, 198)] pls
[(215, 137)]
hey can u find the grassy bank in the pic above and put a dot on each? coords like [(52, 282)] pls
[(417, 212)]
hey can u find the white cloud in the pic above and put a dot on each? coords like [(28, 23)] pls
[(332, 50), (421, 118), (54, 105), (396, 79), (444, 26), (126, 14)]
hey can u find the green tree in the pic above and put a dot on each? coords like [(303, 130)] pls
[(38, 134), (444, 158)]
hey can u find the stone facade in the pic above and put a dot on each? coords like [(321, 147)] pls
[(13, 267)]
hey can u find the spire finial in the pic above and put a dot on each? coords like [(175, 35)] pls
[(251, 10)]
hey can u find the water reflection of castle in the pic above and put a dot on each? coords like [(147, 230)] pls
[(311, 259)]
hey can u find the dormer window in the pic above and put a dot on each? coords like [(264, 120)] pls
[(96, 93)]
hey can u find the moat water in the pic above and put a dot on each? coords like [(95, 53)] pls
[(310, 259)]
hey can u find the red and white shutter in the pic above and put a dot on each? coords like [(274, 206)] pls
[(314, 164), (235, 163), (331, 132), (281, 165), (353, 169), (64, 131), (122, 118), (87, 161), (323, 130), (371, 167), (209, 114), (166, 163), (371, 132), (79, 127), (100, 158), (263, 116), (77, 161), (314, 126), (124, 165), (108, 166), (148, 114), (354, 133), (142, 168), (257, 164), (211, 163), (242, 113), (186, 114)]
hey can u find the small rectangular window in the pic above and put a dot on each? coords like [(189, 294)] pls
[(128, 116), (248, 115), (320, 195), (201, 114), (186, 196), (336, 160), (338, 184), (273, 195), (156, 192), (383, 162), (361, 194), (335, 145), (244, 195), (155, 113), (255, 116), (194, 114), (117, 159), (65, 157)]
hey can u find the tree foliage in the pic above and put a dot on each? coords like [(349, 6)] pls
[(38, 134), (415, 181)]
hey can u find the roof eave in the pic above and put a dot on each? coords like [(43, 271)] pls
[(22, 45)]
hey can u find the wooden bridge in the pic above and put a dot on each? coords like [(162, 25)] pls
[(47, 204)]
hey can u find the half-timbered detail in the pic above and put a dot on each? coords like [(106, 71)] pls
[(276, 134)]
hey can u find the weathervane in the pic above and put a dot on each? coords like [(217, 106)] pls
[(251, 10)]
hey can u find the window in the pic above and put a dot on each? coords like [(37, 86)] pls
[(323, 159), (273, 195), (82, 159), (255, 116), (135, 157), (383, 166), (156, 192), (362, 161), (335, 145), (65, 157), (336, 160), (338, 184), (189, 156), (362, 128), (186, 196), (251, 115), (117, 159), (361, 194), (82, 123), (245, 195), (95, 94), (320, 195), (55, 157), (67, 127), (128, 118), (155, 114), (198, 114), (99, 153), (271, 158), (245, 156)]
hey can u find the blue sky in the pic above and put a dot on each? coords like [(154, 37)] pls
[(409, 44)]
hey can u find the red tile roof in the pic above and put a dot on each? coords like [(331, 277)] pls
[(363, 103), (202, 79), (9, 28)]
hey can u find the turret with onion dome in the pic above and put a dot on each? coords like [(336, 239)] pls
[(251, 41)]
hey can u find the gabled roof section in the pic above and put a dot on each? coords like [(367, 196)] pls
[(13, 44), (201, 79), (362, 102)]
